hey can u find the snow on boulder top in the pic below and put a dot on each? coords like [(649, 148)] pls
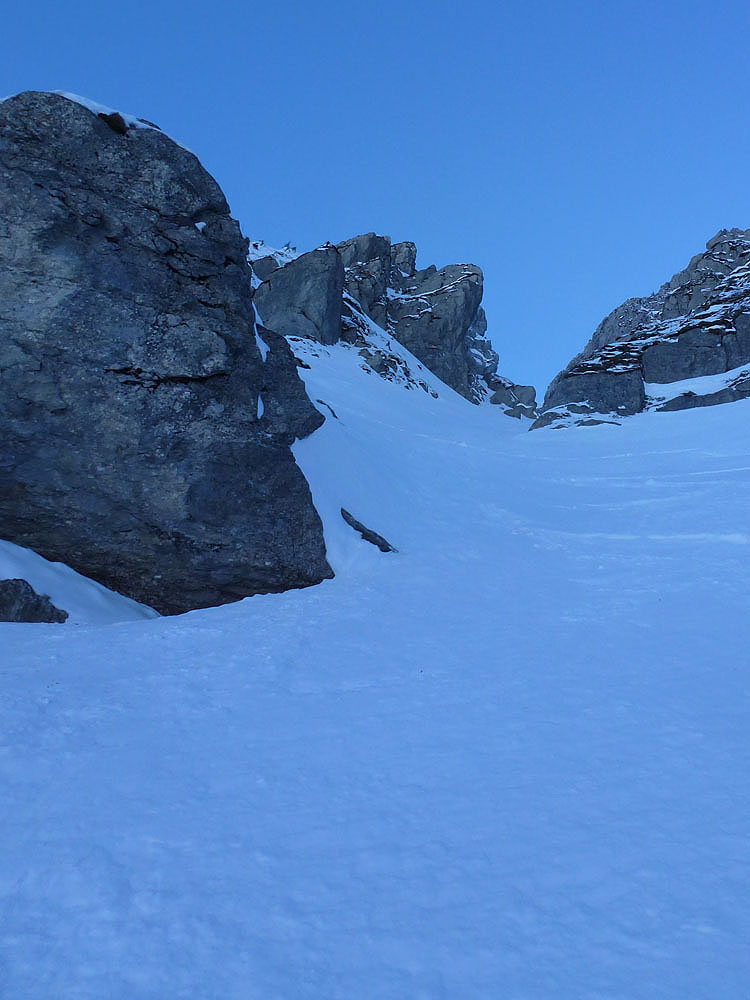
[(118, 120), (102, 111)]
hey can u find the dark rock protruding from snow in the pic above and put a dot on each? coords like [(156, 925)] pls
[(517, 400), (19, 602), (367, 533), (687, 344), (143, 441)]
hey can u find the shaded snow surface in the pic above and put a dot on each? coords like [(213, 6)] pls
[(509, 762), (85, 601)]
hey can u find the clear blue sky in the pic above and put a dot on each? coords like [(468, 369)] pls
[(579, 152)]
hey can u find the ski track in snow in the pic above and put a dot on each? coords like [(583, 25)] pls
[(509, 761)]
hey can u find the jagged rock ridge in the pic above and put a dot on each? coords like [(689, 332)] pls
[(436, 314), (686, 345), (144, 433)]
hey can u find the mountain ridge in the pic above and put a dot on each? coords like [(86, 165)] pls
[(697, 324)]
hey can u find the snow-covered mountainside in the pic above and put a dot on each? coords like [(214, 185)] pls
[(507, 760), (655, 353)]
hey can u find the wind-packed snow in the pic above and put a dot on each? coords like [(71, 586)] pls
[(703, 385), (509, 761)]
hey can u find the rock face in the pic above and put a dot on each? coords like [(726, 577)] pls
[(435, 314), (687, 344), (143, 441), (303, 298), (367, 260), (19, 602)]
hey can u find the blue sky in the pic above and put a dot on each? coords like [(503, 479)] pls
[(579, 152)]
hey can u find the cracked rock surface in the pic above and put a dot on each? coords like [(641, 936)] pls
[(132, 443)]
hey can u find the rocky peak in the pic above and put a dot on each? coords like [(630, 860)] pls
[(435, 313), (696, 325), (686, 291)]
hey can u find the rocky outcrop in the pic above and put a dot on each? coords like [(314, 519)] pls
[(303, 298), (436, 314), (19, 602), (367, 263), (287, 412), (367, 534), (516, 400), (685, 345), (143, 441)]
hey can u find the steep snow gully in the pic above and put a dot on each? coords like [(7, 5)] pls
[(508, 761)]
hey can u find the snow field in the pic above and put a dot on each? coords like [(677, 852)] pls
[(509, 761)]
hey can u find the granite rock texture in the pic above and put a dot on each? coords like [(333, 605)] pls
[(132, 446)]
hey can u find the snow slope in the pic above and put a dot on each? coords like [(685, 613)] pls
[(86, 601), (509, 761)]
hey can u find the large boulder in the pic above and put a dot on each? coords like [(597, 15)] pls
[(134, 444)]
